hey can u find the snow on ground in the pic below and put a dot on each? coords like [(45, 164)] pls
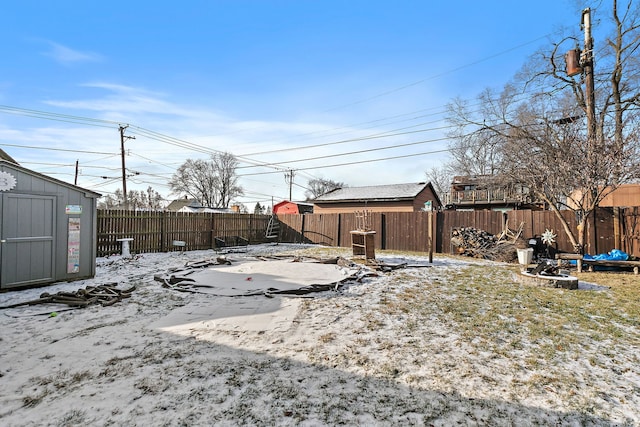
[(164, 357)]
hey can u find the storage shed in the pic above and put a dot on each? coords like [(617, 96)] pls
[(287, 207), (47, 229)]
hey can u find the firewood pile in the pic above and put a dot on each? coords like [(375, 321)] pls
[(476, 243), (105, 295)]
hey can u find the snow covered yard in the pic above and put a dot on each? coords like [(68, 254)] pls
[(460, 342)]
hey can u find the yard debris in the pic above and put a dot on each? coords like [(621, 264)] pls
[(263, 275), (386, 267), (509, 235), (476, 243), (105, 295), (549, 275), (248, 277)]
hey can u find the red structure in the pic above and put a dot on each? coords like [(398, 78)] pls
[(287, 207)]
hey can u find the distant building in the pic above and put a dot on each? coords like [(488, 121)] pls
[(178, 204), (194, 206), (625, 195), (203, 209), (488, 192), (287, 207), (411, 197)]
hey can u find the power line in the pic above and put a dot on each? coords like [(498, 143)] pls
[(55, 149), (356, 162), (361, 151), (57, 116)]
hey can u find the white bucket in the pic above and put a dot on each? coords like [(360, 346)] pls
[(525, 256)]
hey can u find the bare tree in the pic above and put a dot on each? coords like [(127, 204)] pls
[(540, 124), (440, 177), (149, 199), (112, 201), (319, 186), (213, 182), (478, 152), (225, 165), (154, 199)]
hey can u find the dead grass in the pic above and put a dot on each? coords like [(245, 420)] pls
[(493, 312)]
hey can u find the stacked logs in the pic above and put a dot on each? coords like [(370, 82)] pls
[(472, 242), (104, 295)]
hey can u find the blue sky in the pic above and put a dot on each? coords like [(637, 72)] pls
[(291, 84)]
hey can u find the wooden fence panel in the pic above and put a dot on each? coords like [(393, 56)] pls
[(489, 221), (292, 228), (630, 224), (601, 233), (599, 237), (156, 231), (321, 229), (347, 223), (403, 231)]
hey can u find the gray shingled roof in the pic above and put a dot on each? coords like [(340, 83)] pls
[(375, 192)]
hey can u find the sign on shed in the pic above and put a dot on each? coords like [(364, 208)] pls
[(48, 229)]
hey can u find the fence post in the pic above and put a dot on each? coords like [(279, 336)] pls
[(383, 231), (616, 228), (162, 230), (430, 235)]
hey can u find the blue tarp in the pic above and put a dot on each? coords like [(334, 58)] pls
[(614, 255)]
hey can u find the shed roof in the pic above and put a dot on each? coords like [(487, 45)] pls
[(7, 157), (390, 192), (284, 202), (15, 165)]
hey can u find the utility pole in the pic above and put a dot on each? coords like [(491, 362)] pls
[(584, 65), (590, 100), (75, 181), (587, 66), (593, 150), (289, 179), (124, 170)]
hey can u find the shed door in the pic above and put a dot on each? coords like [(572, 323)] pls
[(27, 231)]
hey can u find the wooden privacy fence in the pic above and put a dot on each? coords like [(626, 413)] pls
[(402, 231), (395, 230), (407, 231), (630, 230), (156, 231)]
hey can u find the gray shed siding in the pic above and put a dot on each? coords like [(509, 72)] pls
[(39, 230)]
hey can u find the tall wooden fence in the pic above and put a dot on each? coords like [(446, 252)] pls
[(403, 231), (408, 231), (630, 230), (156, 231)]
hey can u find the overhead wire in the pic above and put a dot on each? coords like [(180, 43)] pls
[(363, 151), (357, 162), (276, 165)]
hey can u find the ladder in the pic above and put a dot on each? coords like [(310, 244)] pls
[(273, 228)]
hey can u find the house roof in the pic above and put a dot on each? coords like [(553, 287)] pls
[(391, 192), (202, 209), (176, 205)]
